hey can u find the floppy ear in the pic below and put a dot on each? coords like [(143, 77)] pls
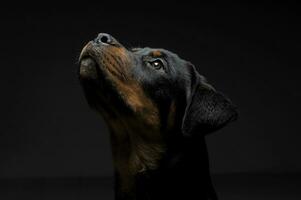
[(207, 110)]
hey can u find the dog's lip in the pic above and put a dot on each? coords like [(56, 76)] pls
[(88, 69), (89, 50), (85, 52), (87, 58)]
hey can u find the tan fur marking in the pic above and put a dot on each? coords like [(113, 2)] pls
[(136, 147), (171, 116), (156, 53), (136, 140)]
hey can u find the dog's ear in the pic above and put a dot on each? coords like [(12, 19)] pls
[(207, 110)]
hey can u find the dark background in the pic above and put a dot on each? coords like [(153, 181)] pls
[(251, 52)]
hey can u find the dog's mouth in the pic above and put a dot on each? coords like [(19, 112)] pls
[(100, 62), (99, 73), (88, 65)]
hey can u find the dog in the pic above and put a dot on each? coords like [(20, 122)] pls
[(158, 109)]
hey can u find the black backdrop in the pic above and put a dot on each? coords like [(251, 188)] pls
[(250, 52)]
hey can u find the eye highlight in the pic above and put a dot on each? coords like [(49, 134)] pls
[(157, 64)]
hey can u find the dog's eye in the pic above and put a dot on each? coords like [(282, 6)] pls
[(157, 64)]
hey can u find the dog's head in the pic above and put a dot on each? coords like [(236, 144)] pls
[(155, 87)]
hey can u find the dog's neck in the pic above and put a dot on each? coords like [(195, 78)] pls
[(136, 148), (138, 142)]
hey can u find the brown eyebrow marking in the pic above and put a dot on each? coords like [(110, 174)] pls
[(157, 53)]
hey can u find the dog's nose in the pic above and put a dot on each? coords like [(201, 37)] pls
[(104, 38)]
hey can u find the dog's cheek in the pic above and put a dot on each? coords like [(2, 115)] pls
[(171, 116), (142, 106)]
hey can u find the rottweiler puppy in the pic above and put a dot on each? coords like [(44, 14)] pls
[(158, 109)]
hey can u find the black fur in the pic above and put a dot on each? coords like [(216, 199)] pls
[(183, 171)]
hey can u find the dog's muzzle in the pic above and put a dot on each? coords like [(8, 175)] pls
[(88, 65)]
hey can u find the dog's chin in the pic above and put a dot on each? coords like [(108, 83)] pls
[(88, 69)]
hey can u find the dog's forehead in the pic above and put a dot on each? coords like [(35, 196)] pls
[(156, 52)]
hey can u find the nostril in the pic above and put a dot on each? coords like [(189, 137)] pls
[(104, 39)]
